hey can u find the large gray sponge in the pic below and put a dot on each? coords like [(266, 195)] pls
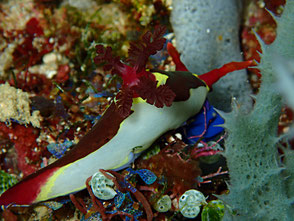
[(207, 34)]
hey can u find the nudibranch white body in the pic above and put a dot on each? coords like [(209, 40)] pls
[(135, 134)]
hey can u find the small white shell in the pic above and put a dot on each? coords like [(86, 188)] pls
[(190, 203), (102, 186), (163, 204)]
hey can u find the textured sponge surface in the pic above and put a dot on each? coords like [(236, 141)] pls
[(261, 184)]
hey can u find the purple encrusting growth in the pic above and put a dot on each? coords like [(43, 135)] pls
[(206, 125)]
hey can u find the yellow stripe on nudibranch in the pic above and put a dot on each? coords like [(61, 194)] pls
[(138, 100), (122, 163), (161, 78), (46, 189), (196, 75)]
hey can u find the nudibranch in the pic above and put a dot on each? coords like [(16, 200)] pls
[(117, 139)]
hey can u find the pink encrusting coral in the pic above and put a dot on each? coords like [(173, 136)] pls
[(27, 151)]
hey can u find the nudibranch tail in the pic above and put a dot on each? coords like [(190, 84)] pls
[(26, 192), (41, 185), (213, 76)]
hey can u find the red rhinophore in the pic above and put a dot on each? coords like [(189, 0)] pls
[(172, 51), (26, 191), (213, 76)]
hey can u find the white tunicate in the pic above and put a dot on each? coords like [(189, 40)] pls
[(190, 211), (163, 204), (190, 203), (102, 187)]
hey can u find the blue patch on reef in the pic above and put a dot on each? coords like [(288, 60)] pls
[(59, 149), (146, 175), (204, 125)]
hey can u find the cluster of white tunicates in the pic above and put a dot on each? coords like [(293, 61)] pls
[(190, 202), (163, 204), (102, 187)]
